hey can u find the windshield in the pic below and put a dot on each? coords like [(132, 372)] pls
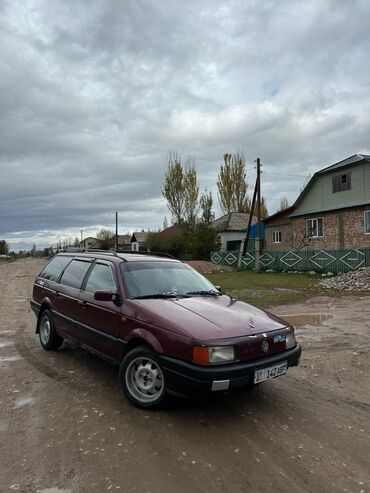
[(146, 279)]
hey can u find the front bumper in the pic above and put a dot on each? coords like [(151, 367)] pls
[(191, 379)]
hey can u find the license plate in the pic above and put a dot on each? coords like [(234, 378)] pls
[(270, 372)]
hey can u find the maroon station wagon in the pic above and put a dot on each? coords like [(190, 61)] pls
[(165, 325)]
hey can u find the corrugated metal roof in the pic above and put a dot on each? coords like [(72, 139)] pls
[(140, 236), (233, 221), (345, 162)]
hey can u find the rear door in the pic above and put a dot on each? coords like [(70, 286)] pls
[(67, 308), (99, 321)]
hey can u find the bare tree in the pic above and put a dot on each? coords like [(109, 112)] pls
[(264, 211), (241, 201), (106, 238), (206, 203), (225, 185), (173, 188), (284, 204), (191, 192), (232, 185), (165, 223)]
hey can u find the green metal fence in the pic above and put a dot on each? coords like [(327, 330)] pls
[(300, 260)]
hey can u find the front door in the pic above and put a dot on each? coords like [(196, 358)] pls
[(99, 321)]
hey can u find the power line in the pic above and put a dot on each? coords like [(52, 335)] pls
[(85, 132), (116, 139)]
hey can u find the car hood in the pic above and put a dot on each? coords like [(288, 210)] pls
[(206, 317)]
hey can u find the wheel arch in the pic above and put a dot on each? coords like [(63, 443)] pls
[(45, 305), (142, 337)]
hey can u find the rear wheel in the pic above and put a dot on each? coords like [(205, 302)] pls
[(142, 378), (49, 338)]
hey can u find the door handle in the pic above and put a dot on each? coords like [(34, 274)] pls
[(83, 303)]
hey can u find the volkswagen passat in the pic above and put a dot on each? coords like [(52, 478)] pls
[(165, 325)]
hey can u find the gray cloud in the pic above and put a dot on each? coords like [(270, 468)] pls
[(286, 81)]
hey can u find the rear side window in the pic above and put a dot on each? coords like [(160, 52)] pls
[(75, 273), (101, 279), (55, 267)]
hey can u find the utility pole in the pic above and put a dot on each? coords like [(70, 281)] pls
[(256, 196), (116, 242), (81, 235), (258, 239)]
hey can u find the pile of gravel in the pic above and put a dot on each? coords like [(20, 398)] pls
[(358, 280)]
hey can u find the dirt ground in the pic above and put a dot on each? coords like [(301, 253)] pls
[(65, 427)]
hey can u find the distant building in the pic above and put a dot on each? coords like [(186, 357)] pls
[(232, 228), (138, 240), (90, 242)]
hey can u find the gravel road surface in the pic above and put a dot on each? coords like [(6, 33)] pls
[(65, 427)]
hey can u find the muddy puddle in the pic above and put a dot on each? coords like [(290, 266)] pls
[(8, 359), (302, 319)]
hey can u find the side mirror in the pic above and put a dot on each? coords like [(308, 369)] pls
[(103, 295), (218, 288)]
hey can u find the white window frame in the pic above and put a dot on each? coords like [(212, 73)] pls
[(317, 228), (366, 212), (277, 234)]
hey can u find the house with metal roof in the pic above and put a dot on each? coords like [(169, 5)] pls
[(138, 240), (332, 212), (232, 228)]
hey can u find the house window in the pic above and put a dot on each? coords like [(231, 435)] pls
[(314, 227), (341, 182), (367, 222), (276, 237)]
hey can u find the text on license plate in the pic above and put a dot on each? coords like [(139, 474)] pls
[(270, 372)]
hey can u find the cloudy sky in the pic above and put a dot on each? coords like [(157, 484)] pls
[(93, 94)]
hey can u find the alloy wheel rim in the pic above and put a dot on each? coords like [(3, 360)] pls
[(144, 379), (45, 330)]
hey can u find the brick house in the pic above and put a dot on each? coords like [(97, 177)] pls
[(332, 212), (278, 231)]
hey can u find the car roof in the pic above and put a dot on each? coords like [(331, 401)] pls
[(121, 256)]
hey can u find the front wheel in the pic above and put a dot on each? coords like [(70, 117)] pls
[(49, 338), (142, 378)]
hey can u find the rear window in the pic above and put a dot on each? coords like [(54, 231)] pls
[(55, 267), (75, 273)]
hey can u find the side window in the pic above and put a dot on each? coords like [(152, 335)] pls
[(315, 227), (75, 273), (276, 237), (367, 222), (341, 182), (101, 279), (55, 267)]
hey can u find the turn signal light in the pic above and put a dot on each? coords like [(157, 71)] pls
[(201, 355)]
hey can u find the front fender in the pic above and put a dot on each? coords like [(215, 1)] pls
[(147, 336)]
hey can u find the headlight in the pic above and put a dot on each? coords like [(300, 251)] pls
[(290, 340), (213, 354)]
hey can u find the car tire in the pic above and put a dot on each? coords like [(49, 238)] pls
[(49, 339), (142, 378)]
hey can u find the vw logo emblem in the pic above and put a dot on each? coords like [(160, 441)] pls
[(265, 346)]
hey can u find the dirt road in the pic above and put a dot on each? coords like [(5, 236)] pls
[(65, 426)]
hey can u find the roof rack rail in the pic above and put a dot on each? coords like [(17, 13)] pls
[(116, 252), (157, 254), (99, 250)]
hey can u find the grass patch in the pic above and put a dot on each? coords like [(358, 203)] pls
[(264, 289)]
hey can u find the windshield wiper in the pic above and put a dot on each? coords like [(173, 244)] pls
[(160, 295), (210, 292)]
